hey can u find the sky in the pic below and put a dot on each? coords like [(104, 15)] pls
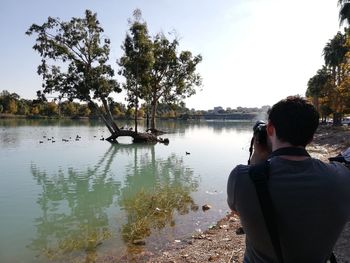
[(255, 52)]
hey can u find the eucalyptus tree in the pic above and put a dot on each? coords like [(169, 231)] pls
[(160, 73), (137, 61), (74, 64), (173, 76)]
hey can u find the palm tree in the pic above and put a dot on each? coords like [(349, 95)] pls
[(318, 86), (335, 50), (344, 12), (335, 56)]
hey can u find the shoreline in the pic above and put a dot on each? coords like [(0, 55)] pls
[(220, 243)]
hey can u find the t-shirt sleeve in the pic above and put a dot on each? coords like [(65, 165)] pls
[(231, 188)]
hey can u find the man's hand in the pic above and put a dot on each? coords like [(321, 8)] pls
[(260, 153)]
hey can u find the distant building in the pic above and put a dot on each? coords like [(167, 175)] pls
[(218, 109)]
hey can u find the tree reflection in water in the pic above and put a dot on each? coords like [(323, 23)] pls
[(155, 189), (74, 204)]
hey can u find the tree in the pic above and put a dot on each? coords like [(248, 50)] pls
[(12, 106), (9, 101), (344, 12), (23, 107), (35, 110), (79, 45), (51, 108), (137, 61), (84, 110), (335, 59), (173, 76), (164, 74), (69, 108), (319, 86)]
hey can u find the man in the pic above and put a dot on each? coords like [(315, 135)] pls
[(311, 199)]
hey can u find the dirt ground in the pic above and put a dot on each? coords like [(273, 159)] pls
[(221, 243)]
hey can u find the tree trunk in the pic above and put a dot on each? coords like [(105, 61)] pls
[(109, 116), (137, 137), (147, 120), (136, 112), (315, 102), (116, 132), (147, 116), (337, 119), (154, 110)]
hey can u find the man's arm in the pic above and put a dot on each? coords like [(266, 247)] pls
[(231, 189)]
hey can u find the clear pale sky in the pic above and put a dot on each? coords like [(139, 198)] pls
[(255, 52)]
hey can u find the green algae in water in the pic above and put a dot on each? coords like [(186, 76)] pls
[(88, 243), (154, 209)]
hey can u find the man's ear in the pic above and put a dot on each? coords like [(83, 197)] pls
[(270, 129)]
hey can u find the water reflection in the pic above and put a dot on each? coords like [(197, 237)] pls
[(155, 190), (218, 126), (76, 205), (73, 206)]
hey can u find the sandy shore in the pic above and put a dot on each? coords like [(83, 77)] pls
[(222, 244)]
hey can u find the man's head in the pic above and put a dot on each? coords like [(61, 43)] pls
[(294, 120)]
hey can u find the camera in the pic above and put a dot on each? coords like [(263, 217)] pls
[(260, 133)]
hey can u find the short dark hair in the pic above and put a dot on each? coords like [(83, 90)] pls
[(295, 120)]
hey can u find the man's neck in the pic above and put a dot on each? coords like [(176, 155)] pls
[(279, 145)]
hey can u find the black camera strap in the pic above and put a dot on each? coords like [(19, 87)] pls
[(290, 151), (259, 174)]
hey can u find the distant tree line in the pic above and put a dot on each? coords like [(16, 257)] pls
[(329, 88), (13, 104)]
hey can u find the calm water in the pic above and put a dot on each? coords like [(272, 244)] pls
[(88, 200)]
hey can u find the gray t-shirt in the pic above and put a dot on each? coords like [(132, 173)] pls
[(312, 203)]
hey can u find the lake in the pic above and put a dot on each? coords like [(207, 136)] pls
[(68, 196)]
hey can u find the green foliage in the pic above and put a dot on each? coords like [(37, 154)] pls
[(12, 103), (51, 109), (78, 44), (335, 50), (319, 84), (35, 110), (137, 61), (130, 113), (69, 108), (23, 107), (84, 110), (9, 101), (344, 12), (154, 68), (12, 106), (330, 87), (154, 210), (74, 65)]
